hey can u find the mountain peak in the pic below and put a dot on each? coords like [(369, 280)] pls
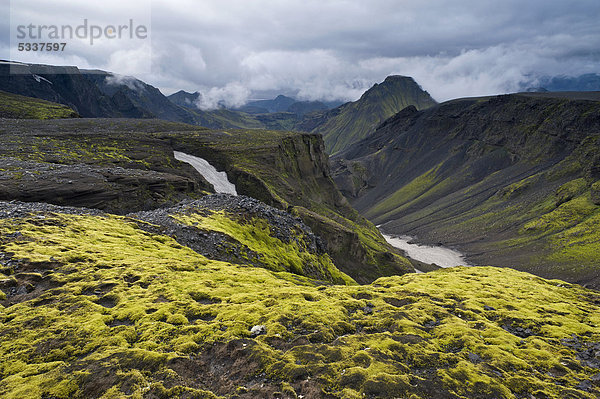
[(396, 85), (282, 97), (394, 78), (358, 119), (185, 99), (187, 93)]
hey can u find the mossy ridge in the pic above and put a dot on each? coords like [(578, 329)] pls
[(22, 107), (131, 305), (93, 150), (278, 256), (563, 229)]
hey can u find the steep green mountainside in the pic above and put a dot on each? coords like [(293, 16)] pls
[(94, 305), (14, 106), (511, 180), (128, 165), (353, 121)]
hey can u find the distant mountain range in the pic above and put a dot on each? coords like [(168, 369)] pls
[(96, 93), (283, 103)]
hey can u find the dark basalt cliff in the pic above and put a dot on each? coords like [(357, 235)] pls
[(510, 179)]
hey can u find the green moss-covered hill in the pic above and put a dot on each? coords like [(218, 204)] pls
[(512, 180), (127, 165), (353, 121), (15, 106), (95, 305)]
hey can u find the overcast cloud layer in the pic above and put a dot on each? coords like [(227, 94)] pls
[(234, 50)]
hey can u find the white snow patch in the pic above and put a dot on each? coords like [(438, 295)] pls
[(217, 179)]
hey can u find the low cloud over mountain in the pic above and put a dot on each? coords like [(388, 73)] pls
[(231, 51)]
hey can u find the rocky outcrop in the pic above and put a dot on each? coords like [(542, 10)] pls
[(293, 173), (113, 189), (243, 213)]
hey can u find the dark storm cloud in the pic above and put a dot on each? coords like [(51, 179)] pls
[(336, 49)]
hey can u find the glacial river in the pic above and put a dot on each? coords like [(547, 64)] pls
[(441, 256)]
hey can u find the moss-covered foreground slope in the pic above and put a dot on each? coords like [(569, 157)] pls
[(94, 305), (512, 180), (15, 106)]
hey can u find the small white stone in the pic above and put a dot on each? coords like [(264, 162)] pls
[(257, 330)]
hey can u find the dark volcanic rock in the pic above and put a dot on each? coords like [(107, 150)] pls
[(114, 189), (18, 209), (63, 85)]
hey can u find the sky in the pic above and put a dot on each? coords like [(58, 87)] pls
[(235, 50)]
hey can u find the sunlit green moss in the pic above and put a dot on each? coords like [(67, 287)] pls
[(21, 107), (566, 215), (277, 255), (125, 303)]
